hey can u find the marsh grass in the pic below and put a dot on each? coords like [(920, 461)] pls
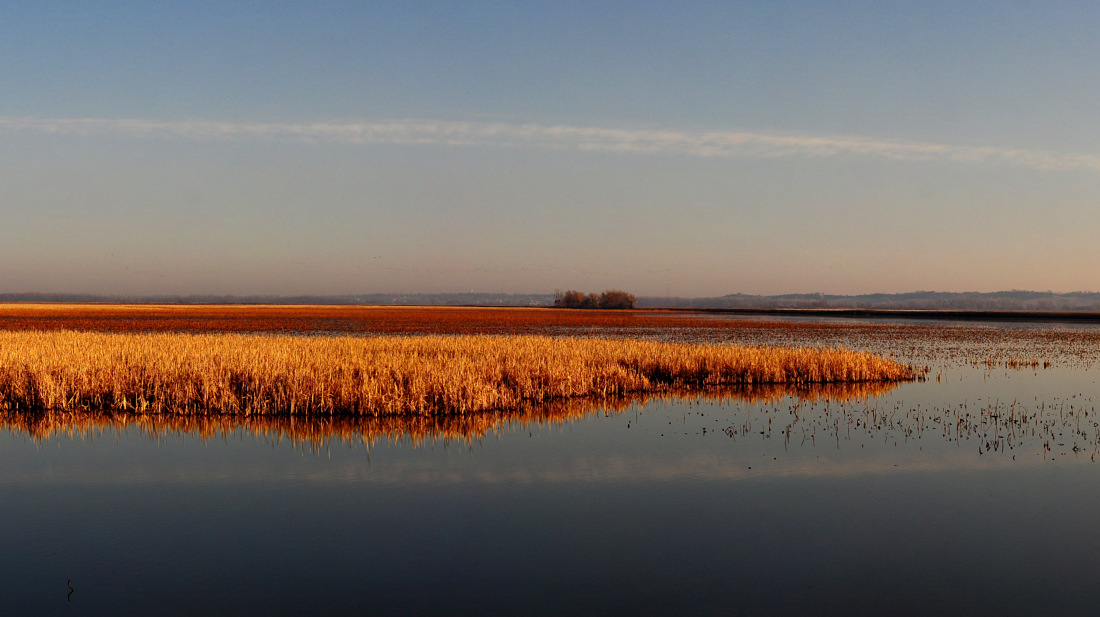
[(421, 375), (138, 318)]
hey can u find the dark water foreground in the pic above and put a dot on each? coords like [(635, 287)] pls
[(974, 495)]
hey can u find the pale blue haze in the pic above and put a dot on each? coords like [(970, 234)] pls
[(151, 148)]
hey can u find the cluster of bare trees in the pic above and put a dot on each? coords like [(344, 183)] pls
[(610, 299)]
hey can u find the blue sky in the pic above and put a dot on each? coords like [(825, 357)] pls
[(328, 147)]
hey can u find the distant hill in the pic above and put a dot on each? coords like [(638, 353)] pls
[(919, 300)]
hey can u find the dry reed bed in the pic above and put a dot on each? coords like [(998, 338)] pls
[(333, 319), (933, 343), (243, 374), (298, 319), (316, 430)]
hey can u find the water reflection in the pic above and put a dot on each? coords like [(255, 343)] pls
[(317, 431), (823, 429), (673, 511), (925, 499)]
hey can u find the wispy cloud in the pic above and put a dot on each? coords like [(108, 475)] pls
[(561, 137)]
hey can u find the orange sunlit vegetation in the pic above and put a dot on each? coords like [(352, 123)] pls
[(351, 319), (316, 430), (382, 375)]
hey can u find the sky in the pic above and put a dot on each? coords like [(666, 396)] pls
[(683, 149)]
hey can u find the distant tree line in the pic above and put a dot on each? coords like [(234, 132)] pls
[(610, 299)]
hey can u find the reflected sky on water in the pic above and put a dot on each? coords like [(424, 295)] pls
[(958, 496)]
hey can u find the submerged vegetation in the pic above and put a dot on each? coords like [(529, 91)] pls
[(427, 375), (317, 431)]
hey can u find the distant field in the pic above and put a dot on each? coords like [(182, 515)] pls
[(307, 319), (365, 319), (980, 344)]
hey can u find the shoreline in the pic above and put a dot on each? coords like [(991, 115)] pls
[(913, 314)]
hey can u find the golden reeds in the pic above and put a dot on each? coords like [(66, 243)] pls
[(250, 374)]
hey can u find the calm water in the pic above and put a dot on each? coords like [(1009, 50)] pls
[(975, 494)]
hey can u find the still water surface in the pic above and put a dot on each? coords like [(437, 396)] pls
[(958, 496)]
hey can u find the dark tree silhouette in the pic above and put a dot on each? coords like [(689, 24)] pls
[(610, 299)]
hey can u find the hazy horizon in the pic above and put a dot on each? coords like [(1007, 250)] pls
[(338, 149)]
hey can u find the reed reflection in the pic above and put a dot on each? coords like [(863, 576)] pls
[(315, 431)]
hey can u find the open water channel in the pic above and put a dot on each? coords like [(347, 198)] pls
[(974, 492)]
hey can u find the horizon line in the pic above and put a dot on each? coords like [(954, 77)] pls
[(9, 294)]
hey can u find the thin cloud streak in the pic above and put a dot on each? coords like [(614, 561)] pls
[(559, 137)]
